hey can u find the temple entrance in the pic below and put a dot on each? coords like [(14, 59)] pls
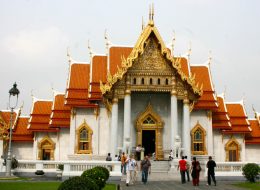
[(46, 154), (46, 149), (148, 142), (149, 132)]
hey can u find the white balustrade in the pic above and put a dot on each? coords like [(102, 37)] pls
[(71, 168)]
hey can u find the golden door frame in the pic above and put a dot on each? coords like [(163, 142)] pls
[(46, 143), (156, 125)]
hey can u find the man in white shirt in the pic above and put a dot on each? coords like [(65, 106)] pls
[(130, 170)]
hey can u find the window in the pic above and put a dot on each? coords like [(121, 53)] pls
[(151, 81), (166, 81), (232, 150), (142, 80), (149, 120), (158, 81), (84, 134), (198, 140), (134, 81)]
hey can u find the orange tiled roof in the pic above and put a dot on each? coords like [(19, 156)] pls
[(220, 118), (60, 116), (99, 73), (254, 137), (238, 118), (20, 132), (40, 116), (115, 54), (77, 89), (6, 117), (208, 99), (185, 66)]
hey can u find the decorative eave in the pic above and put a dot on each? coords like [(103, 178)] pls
[(139, 49)]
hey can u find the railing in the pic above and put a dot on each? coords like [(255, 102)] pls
[(71, 168), (228, 168)]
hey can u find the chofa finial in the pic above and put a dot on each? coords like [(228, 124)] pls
[(151, 14)]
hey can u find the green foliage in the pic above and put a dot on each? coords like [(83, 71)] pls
[(248, 185), (78, 183), (97, 175), (104, 170), (18, 185), (250, 171), (61, 167)]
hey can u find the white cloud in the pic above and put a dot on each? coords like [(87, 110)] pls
[(32, 44)]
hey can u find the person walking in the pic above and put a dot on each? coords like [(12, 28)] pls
[(123, 163), (130, 170), (195, 173), (182, 167), (187, 168), (211, 164), (109, 158), (145, 168)]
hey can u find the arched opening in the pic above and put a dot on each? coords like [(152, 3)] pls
[(158, 81), (198, 146), (232, 150), (151, 81), (149, 132), (134, 82), (46, 149), (166, 81), (84, 136), (142, 81)]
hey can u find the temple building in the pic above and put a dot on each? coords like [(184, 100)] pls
[(141, 95)]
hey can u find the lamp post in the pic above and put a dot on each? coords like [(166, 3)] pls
[(13, 100)]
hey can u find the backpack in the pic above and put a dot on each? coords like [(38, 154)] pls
[(198, 167)]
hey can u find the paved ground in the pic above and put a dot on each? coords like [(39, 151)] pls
[(176, 185)]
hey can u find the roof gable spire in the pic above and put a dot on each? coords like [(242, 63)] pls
[(173, 42), (151, 15)]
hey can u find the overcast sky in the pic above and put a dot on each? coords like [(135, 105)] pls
[(34, 37)]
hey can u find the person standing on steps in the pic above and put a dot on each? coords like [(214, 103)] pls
[(187, 168), (123, 164), (182, 167), (145, 168), (211, 164), (130, 170)]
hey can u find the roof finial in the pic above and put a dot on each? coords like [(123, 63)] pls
[(210, 57), (90, 50), (107, 41), (225, 91), (151, 14), (68, 55), (173, 41), (189, 51), (254, 111), (143, 23)]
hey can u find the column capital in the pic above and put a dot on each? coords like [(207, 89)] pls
[(186, 101), (127, 91), (115, 100)]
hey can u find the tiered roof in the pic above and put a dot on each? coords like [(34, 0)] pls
[(60, 115), (254, 137), (208, 99), (40, 116), (238, 118), (220, 117)]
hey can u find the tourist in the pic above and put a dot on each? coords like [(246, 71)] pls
[(130, 170), (171, 155), (145, 168), (109, 158), (211, 164), (187, 168), (138, 150), (123, 163), (195, 173), (182, 167)]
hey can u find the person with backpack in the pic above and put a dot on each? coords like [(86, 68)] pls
[(145, 168), (211, 164), (130, 170), (195, 173)]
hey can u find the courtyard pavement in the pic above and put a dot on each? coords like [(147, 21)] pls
[(176, 185)]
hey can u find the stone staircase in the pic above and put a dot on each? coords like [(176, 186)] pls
[(160, 166)]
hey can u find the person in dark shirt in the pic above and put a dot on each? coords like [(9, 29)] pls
[(211, 164), (145, 168)]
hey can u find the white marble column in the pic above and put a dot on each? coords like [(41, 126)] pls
[(73, 137), (209, 134), (1, 147), (127, 121), (186, 138), (174, 120), (114, 128)]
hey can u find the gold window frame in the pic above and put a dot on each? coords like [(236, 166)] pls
[(203, 134), (230, 145), (83, 126)]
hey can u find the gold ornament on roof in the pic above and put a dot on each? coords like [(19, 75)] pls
[(138, 49)]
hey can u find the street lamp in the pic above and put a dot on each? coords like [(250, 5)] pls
[(13, 100)]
